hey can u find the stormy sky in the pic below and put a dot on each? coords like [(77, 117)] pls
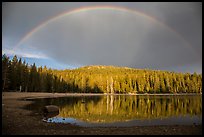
[(153, 35)]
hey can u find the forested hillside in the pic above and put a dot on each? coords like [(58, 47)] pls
[(18, 75)]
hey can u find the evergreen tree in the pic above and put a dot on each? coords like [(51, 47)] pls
[(107, 79), (5, 72)]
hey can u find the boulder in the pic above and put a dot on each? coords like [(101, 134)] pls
[(51, 109)]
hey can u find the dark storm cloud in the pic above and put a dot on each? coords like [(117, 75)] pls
[(110, 37), (186, 19)]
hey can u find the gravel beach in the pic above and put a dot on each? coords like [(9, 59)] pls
[(18, 121)]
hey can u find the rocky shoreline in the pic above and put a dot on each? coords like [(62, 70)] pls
[(18, 121)]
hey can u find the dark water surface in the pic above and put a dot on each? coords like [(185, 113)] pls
[(124, 110)]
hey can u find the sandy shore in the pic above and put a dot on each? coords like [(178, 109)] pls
[(18, 121)]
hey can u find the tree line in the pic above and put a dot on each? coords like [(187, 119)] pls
[(19, 76)]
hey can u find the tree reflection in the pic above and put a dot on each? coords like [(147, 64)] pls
[(112, 108)]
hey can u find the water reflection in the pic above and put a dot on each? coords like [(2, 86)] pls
[(126, 109)]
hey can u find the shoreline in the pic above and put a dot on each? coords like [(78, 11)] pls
[(18, 121), (95, 94)]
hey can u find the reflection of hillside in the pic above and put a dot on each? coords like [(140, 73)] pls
[(39, 103), (120, 108)]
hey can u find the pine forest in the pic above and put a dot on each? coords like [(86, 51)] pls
[(17, 75)]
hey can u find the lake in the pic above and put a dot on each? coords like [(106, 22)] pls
[(123, 110)]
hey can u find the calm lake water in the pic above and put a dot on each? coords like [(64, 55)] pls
[(124, 110)]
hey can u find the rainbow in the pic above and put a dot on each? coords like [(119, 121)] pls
[(115, 8)]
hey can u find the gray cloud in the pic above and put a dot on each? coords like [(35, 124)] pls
[(109, 37)]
